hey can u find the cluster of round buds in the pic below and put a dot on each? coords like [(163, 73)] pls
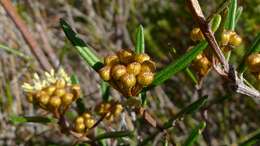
[(110, 109), (230, 39), (196, 34), (54, 92), (201, 65), (253, 62), (128, 72), (83, 122)]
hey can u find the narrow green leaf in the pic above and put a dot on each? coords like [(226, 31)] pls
[(15, 52), (219, 9), (143, 98), (215, 22), (187, 110), (116, 134), (238, 13), (105, 89), (195, 133), (35, 119), (180, 64), (82, 48), (231, 22), (252, 139), (191, 75), (255, 47), (79, 102), (140, 46)]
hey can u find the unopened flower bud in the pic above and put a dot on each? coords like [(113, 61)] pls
[(86, 115), (30, 97), (253, 62), (235, 40), (89, 123), (118, 71), (128, 80), (60, 84), (104, 73), (44, 100), (80, 127), (67, 98), (225, 37), (59, 92), (75, 90), (55, 101), (111, 60), (133, 68), (196, 34), (50, 90), (141, 57), (145, 78), (148, 66), (125, 56), (118, 109), (79, 120)]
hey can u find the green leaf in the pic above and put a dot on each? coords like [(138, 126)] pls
[(252, 139), (215, 22), (180, 64), (231, 18), (116, 134), (82, 48), (255, 47), (191, 75), (35, 119), (143, 98), (105, 89), (195, 133), (79, 102), (140, 46), (238, 13), (187, 110)]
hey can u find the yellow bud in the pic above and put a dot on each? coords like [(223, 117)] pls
[(111, 60), (44, 99), (125, 56), (235, 40), (110, 118), (55, 102), (50, 90), (39, 94), (59, 92), (225, 37), (145, 78), (80, 127), (141, 57), (198, 57), (253, 62), (107, 106), (89, 123), (118, 109), (60, 84), (67, 98), (86, 116), (134, 68), (118, 71), (30, 97), (196, 34), (128, 80), (75, 90), (79, 120), (148, 66), (104, 73)]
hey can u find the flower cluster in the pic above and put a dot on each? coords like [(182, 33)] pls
[(109, 109), (84, 122), (253, 62), (196, 34), (128, 72), (54, 92), (201, 65), (229, 40)]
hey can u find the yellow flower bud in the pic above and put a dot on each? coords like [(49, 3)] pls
[(80, 127), (118, 71), (86, 116), (196, 34), (125, 56), (111, 60), (79, 120), (89, 123), (134, 68), (141, 57), (59, 92), (235, 40), (118, 109), (55, 101), (60, 84), (106, 106), (50, 90), (225, 37), (253, 62), (104, 73), (67, 98), (44, 99), (128, 80), (30, 97), (110, 118), (39, 94), (148, 66), (145, 78), (75, 90)]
